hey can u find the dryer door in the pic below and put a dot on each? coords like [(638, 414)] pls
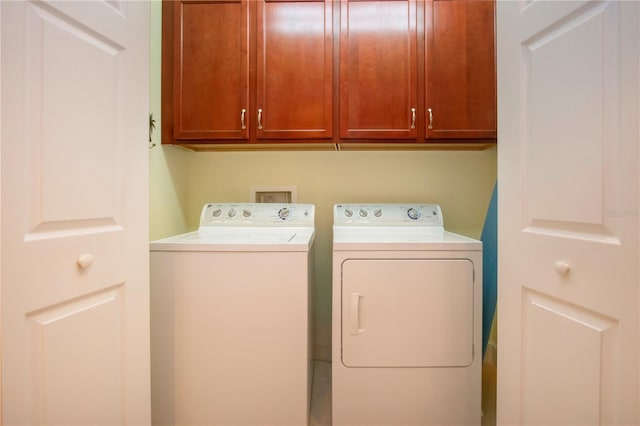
[(407, 312)]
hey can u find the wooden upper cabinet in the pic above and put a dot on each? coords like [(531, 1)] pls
[(460, 84), (210, 69), (294, 53), (378, 69), (266, 71)]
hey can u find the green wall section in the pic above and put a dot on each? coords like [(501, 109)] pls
[(168, 177)]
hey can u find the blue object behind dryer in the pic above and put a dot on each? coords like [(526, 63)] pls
[(489, 268)]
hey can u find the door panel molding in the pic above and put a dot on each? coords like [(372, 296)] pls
[(585, 97), (79, 369), (587, 359)]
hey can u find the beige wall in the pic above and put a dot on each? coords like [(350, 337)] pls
[(182, 181), (461, 182), (168, 191)]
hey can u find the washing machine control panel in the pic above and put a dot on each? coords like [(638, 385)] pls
[(388, 214), (257, 214)]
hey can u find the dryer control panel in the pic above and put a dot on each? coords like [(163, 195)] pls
[(388, 215), (257, 214)]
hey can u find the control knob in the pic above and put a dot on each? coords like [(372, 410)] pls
[(363, 213), (413, 214), (246, 213), (348, 212), (377, 213), (216, 213), (284, 213), (232, 213)]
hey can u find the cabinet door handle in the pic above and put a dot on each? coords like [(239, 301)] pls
[(413, 118), (242, 123), (260, 118), (430, 126)]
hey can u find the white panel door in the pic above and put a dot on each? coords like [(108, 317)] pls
[(75, 314), (407, 312), (568, 232)]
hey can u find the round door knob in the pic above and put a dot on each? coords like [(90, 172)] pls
[(562, 267), (85, 261)]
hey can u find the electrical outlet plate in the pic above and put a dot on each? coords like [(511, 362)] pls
[(273, 194)]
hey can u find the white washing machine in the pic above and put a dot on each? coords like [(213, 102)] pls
[(231, 318), (407, 317)]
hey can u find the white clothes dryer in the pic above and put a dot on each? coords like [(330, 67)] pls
[(407, 318), (231, 318)]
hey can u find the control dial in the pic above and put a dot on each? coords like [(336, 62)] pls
[(363, 213), (284, 213), (413, 214), (246, 213), (377, 213), (232, 212), (216, 213), (348, 212)]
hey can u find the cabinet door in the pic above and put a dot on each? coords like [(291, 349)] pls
[(211, 71), (294, 69), (461, 70), (378, 69)]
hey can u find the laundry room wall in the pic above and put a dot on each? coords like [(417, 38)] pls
[(183, 181), (168, 177)]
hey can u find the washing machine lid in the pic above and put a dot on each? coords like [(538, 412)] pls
[(239, 239), (247, 227), (395, 227)]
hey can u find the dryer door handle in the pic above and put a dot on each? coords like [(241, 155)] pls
[(354, 314)]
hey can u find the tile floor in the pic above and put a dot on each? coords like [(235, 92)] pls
[(321, 394), (488, 393)]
